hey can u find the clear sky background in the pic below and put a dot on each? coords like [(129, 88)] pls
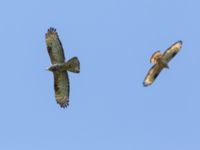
[(109, 107)]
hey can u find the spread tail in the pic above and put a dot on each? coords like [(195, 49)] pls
[(73, 65)]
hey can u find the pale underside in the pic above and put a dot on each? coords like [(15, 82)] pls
[(160, 61)]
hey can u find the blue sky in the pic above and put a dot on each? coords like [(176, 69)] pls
[(109, 107)]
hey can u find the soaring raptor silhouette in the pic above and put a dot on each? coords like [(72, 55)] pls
[(160, 61), (59, 67)]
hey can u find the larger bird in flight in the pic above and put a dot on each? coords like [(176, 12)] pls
[(59, 67), (160, 61)]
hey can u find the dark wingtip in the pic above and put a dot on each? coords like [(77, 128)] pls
[(50, 31), (64, 105), (145, 85), (181, 42)]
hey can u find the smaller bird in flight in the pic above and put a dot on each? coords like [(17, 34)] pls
[(160, 62)]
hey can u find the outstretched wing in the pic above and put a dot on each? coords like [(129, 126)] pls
[(61, 86), (54, 47), (61, 80), (152, 74), (172, 51)]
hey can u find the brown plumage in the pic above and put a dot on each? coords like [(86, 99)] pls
[(160, 61), (60, 67)]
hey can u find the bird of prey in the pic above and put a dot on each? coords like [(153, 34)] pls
[(160, 61), (60, 67)]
